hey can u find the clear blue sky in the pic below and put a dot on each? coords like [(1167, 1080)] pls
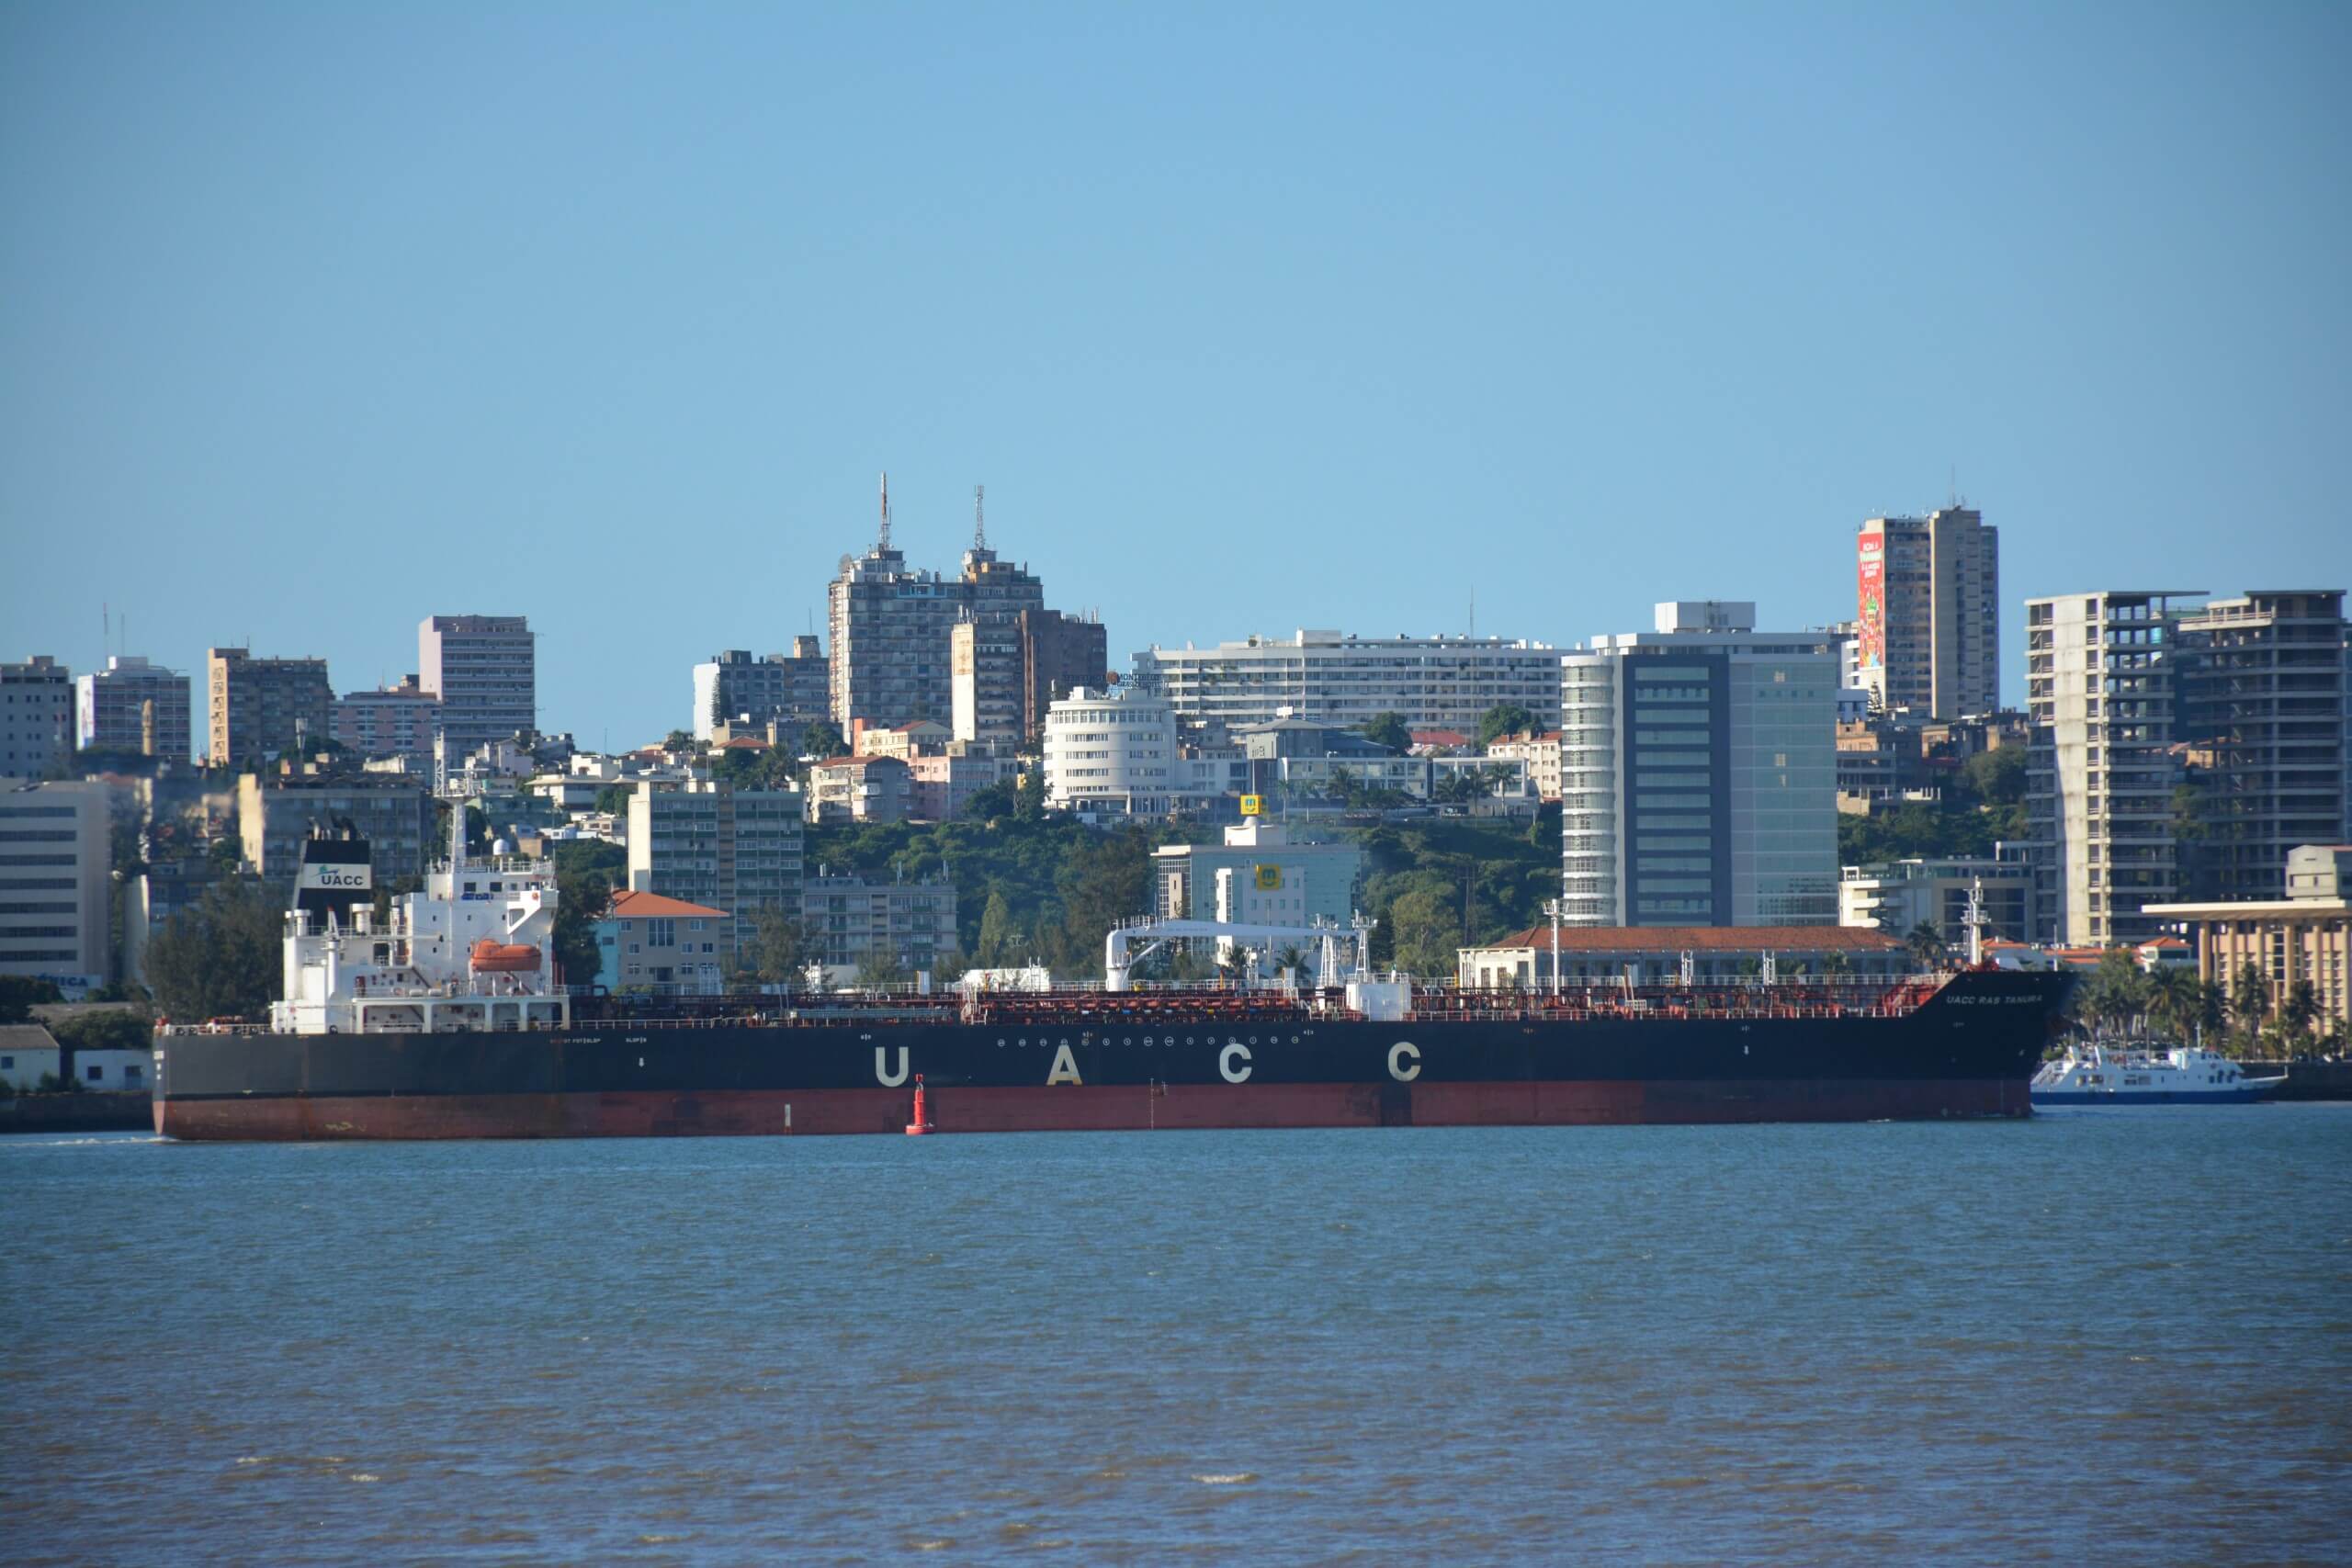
[(318, 319)]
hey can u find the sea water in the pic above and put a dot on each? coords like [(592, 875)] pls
[(2098, 1335)]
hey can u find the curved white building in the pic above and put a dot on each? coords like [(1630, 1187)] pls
[(1112, 751)]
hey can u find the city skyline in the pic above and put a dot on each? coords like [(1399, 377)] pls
[(1336, 329)]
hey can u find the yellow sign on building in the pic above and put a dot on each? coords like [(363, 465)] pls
[(1252, 805), (1269, 878)]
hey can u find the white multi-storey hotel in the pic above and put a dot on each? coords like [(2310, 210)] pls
[(1441, 683), (1699, 775)]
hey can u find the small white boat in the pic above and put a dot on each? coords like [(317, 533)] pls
[(2110, 1075)]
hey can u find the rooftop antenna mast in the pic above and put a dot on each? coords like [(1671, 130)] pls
[(979, 518), (883, 542)]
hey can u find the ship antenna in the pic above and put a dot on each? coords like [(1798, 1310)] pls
[(456, 839), (1976, 922)]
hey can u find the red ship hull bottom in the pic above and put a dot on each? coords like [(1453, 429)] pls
[(1086, 1108)]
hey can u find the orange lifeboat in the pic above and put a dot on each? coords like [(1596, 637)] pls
[(503, 958)]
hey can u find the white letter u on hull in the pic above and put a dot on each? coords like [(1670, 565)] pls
[(888, 1078)]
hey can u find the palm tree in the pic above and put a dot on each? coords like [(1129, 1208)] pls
[(1926, 943), (2249, 1000), (2297, 1012), (1836, 966), (2174, 999)]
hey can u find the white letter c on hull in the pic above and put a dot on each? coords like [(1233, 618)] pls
[(1397, 1068), (1225, 1063)]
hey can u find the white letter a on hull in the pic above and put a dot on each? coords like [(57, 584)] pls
[(1065, 1068)]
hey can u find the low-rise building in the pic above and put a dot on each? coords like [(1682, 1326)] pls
[(27, 1054), (860, 789), (1648, 956), (1897, 897), (1257, 877), (2302, 938), (663, 945), (944, 780), (1539, 755), (855, 921)]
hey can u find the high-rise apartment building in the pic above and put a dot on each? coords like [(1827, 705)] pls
[(709, 842), (262, 707), (2102, 766), (1007, 670), (398, 721), (277, 811), (1929, 613), (1441, 683), (1697, 774), (790, 689), (56, 877), (2262, 717), (132, 705), (2180, 749), (890, 628), (36, 715), (852, 921), (485, 671)]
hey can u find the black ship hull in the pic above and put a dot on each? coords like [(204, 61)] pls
[(1968, 1050)]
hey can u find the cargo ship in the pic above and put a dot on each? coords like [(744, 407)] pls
[(443, 1016)]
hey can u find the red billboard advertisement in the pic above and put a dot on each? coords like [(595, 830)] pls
[(1871, 603)]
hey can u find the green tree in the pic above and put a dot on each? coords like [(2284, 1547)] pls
[(1425, 933), (112, 1029), (1107, 879), (679, 740), (718, 714), (2298, 1010), (1388, 730), (780, 948), (987, 804), (223, 957), (613, 799), (1029, 796), (19, 994), (2175, 999), (1926, 942), (1504, 718), (882, 968), (1001, 944), (2249, 1000), (2212, 1006), (2115, 992), (822, 740)]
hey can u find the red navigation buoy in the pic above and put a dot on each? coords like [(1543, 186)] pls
[(922, 1124)]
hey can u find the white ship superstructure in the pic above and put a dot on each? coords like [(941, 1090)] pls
[(475, 950)]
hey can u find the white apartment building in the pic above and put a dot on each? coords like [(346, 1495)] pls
[(1929, 628), (484, 670), (1445, 683), (706, 842), (132, 705), (1116, 751), (56, 877), (36, 715), (1699, 774)]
